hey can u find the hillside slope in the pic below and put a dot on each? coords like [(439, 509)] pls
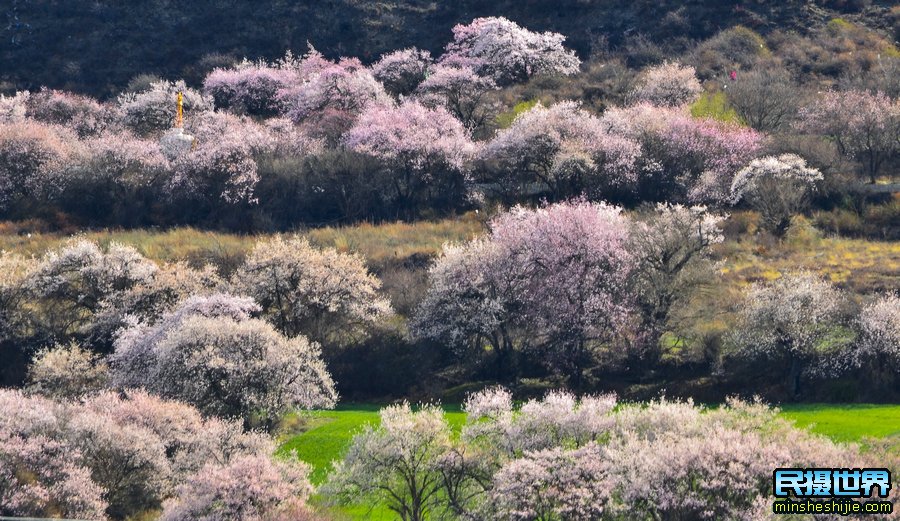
[(97, 46)]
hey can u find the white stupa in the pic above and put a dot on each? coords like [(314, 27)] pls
[(175, 143)]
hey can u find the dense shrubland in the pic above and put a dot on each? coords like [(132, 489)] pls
[(604, 188)]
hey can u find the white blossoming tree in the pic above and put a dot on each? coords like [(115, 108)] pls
[(669, 84), (396, 464), (328, 296), (777, 187), (799, 322), (210, 353), (507, 52)]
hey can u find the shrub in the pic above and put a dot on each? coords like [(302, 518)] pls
[(559, 419), (777, 187), (714, 105), (669, 84), (731, 49), (67, 371)]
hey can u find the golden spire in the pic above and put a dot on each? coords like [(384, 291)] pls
[(179, 116)]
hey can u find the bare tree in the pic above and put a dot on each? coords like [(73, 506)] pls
[(765, 99)]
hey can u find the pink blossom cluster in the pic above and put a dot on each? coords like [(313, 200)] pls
[(684, 158), (413, 135), (553, 277), (251, 87), (117, 455), (330, 98), (34, 158), (562, 146), (864, 125), (402, 71), (506, 52), (461, 91), (82, 114)]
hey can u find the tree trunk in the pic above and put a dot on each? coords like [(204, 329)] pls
[(794, 374)]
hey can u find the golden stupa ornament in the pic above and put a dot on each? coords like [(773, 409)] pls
[(175, 143), (179, 115)]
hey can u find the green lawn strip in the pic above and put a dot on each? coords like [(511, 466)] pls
[(846, 422)]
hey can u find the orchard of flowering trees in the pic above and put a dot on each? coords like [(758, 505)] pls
[(601, 197), (307, 139)]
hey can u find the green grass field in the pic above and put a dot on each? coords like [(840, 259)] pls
[(324, 435), (850, 422)]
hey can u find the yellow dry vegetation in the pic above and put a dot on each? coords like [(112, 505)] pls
[(376, 242), (859, 265)]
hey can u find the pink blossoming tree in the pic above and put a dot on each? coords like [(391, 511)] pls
[(865, 126), (425, 152), (508, 53), (563, 149), (402, 71), (553, 279)]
